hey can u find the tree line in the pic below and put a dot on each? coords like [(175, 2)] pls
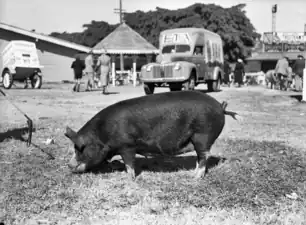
[(232, 24)]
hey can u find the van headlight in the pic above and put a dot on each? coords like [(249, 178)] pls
[(177, 66), (149, 68)]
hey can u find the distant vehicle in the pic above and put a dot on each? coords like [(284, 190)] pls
[(18, 62), (187, 57)]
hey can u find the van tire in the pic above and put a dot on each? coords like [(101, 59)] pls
[(7, 80), (190, 83), (36, 81), (214, 85), (149, 88)]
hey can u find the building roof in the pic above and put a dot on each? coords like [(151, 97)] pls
[(274, 55), (124, 40), (46, 38)]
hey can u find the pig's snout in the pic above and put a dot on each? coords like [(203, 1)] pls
[(75, 166), (73, 162)]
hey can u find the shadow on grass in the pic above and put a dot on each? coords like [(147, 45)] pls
[(207, 91), (20, 85), (17, 134), (99, 90), (261, 175), (298, 97), (160, 164)]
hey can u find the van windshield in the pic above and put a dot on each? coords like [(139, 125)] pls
[(175, 49)]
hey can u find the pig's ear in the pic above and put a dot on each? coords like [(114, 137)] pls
[(73, 136)]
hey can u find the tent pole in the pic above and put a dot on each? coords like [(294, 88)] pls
[(121, 63)]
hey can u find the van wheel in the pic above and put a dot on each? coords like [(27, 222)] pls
[(214, 85), (36, 81), (190, 84), (7, 80), (148, 88)]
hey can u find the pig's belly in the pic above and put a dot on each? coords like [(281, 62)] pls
[(165, 146)]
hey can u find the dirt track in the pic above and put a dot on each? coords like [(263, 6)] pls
[(57, 100)]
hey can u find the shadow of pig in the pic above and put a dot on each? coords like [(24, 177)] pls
[(159, 164)]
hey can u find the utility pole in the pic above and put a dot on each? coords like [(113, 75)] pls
[(304, 71), (120, 11), (274, 11)]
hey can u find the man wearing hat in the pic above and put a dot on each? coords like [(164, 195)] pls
[(297, 69), (239, 72), (282, 71)]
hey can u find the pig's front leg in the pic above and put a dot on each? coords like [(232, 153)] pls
[(128, 155)]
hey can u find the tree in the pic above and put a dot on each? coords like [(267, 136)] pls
[(232, 24)]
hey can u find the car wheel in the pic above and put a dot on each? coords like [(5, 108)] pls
[(36, 81), (7, 80), (148, 88), (190, 84), (214, 85)]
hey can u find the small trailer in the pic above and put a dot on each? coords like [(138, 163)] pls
[(19, 62)]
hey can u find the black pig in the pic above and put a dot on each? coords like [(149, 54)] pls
[(154, 125)]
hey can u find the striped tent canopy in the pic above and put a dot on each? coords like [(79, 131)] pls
[(124, 40)]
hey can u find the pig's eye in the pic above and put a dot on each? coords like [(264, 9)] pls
[(79, 149)]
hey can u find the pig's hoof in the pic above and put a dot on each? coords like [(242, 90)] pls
[(132, 177), (131, 172), (197, 177), (200, 173)]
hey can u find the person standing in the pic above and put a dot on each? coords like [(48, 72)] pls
[(239, 72), (78, 66), (282, 72), (297, 69), (227, 72), (89, 71), (104, 62)]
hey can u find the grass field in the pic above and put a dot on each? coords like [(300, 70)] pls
[(263, 162)]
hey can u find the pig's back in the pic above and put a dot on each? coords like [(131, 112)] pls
[(163, 104)]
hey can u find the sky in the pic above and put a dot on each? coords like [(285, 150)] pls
[(46, 16)]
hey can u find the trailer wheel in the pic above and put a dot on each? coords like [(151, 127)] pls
[(148, 88), (36, 81), (7, 80)]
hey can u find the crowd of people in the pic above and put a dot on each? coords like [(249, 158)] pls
[(286, 77), (89, 70)]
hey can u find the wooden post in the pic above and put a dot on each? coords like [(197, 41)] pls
[(134, 70), (113, 70), (121, 63)]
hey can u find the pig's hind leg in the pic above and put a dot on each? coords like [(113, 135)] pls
[(202, 144)]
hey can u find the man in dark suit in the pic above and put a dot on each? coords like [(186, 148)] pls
[(297, 69), (78, 66)]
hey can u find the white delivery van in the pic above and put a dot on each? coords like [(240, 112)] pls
[(19, 62)]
